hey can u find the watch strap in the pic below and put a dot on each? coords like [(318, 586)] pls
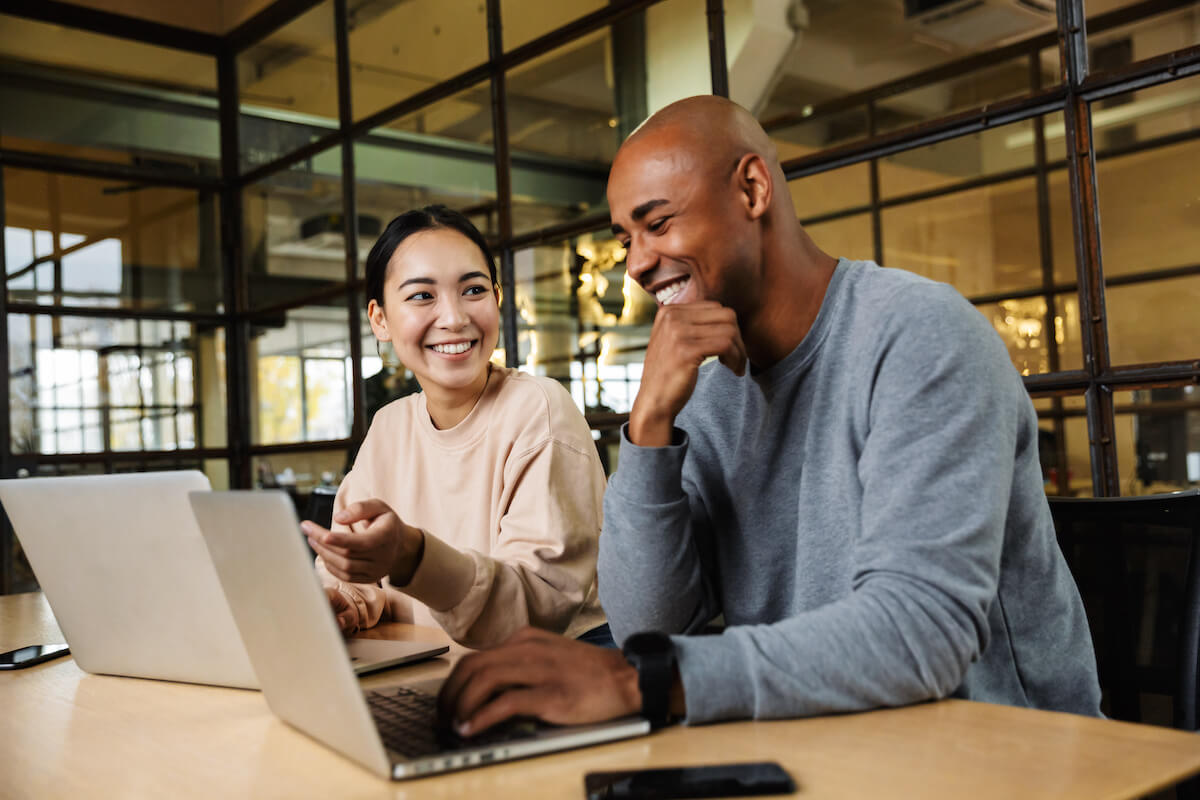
[(652, 654)]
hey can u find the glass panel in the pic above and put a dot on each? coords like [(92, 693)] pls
[(287, 88), (963, 92), (848, 237), (1148, 205), (1056, 447), (1151, 36), (564, 128), (980, 240), (1079, 453), (824, 52), (807, 130), (401, 47), (568, 110), (87, 385), (440, 154), (832, 190), (72, 92), (1022, 324), (1154, 321), (302, 367), (965, 158), (298, 473), (524, 20), (75, 241), (1062, 227), (294, 243), (582, 321), (1158, 439), (217, 472)]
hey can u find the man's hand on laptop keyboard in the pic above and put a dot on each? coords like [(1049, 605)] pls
[(539, 674)]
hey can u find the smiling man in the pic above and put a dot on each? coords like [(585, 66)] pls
[(854, 487)]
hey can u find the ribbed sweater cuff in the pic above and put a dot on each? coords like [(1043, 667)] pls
[(716, 682), (650, 475)]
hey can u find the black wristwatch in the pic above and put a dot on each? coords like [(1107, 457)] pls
[(652, 654)]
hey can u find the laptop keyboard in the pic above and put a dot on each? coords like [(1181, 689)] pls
[(407, 723)]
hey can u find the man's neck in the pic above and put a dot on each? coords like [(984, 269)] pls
[(793, 296)]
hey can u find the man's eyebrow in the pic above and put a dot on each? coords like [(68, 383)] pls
[(645, 208), (639, 213)]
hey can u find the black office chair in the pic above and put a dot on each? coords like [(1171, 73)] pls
[(1135, 560), (319, 509), (320, 505)]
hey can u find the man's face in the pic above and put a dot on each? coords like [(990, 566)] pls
[(675, 215)]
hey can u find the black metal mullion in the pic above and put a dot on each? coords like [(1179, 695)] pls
[(1085, 217), (717, 63), (110, 23), (1046, 257), (552, 234), (334, 289), (6, 532), (198, 317), (111, 457), (873, 177), (1142, 74), (508, 286), (602, 17), (358, 411), (54, 211), (45, 162), (927, 133), (259, 450), (276, 14), (1163, 372), (237, 330)]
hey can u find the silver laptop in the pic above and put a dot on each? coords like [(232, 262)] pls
[(128, 577), (292, 640)]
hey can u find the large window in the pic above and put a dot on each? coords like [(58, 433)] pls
[(186, 219)]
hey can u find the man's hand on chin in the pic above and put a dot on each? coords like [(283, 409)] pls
[(682, 338)]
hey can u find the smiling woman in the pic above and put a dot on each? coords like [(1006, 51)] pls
[(474, 505)]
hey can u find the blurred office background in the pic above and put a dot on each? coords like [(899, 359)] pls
[(189, 191)]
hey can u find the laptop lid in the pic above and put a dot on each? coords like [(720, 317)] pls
[(127, 575), (286, 623)]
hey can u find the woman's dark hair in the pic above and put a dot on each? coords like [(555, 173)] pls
[(420, 219)]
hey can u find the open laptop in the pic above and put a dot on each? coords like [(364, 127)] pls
[(292, 638), (128, 577)]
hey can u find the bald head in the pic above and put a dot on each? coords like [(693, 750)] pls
[(717, 132)]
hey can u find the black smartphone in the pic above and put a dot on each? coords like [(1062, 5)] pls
[(719, 780), (33, 654)]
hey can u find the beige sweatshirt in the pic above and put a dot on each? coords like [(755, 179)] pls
[(510, 502)]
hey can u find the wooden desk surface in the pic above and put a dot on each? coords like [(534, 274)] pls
[(64, 733)]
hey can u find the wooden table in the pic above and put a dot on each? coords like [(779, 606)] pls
[(64, 733)]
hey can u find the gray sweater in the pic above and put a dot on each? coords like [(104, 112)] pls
[(868, 514)]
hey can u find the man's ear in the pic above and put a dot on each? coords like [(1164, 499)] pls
[(753, 179), (378, 321)]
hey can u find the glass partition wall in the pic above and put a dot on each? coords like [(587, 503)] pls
[(186, 214)]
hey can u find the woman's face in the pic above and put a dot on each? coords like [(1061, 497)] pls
[(440, 310)]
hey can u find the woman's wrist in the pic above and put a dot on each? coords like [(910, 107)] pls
[(412, 549)]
